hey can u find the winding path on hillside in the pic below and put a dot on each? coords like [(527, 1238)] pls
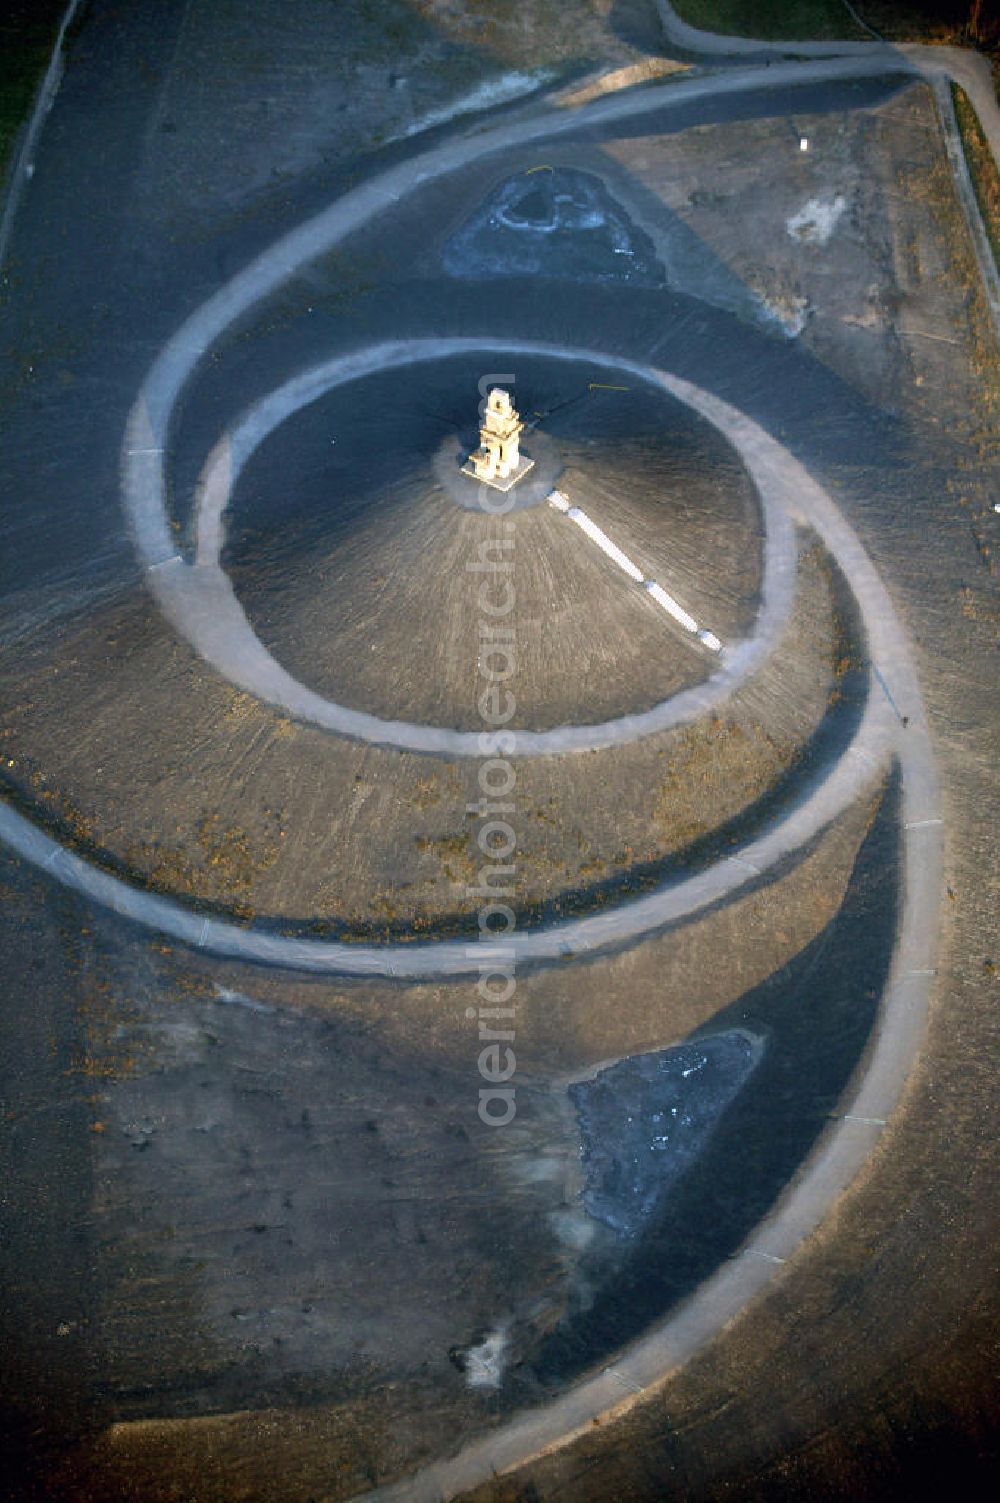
[(880, 738), (213, 616), (172, 579)]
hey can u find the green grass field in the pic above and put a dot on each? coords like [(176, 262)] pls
[(27, 31)]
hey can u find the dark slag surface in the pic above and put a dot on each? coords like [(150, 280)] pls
[(553, 222), (815, 1015), (646, 1119), (98, 311), (369, 448), (83, 322)]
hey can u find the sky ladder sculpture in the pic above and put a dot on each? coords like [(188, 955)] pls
[(498, 461)]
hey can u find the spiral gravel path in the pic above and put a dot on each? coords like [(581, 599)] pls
[(199, 600)]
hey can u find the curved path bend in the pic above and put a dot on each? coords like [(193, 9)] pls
[(201, 605), (147, 432), (829, 1170), (850, 1139), (169, 576), (789, 485), (966, 67), (836, 1160)]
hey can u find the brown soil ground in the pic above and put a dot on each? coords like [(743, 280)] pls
[(148, 1281), (218, 797)]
